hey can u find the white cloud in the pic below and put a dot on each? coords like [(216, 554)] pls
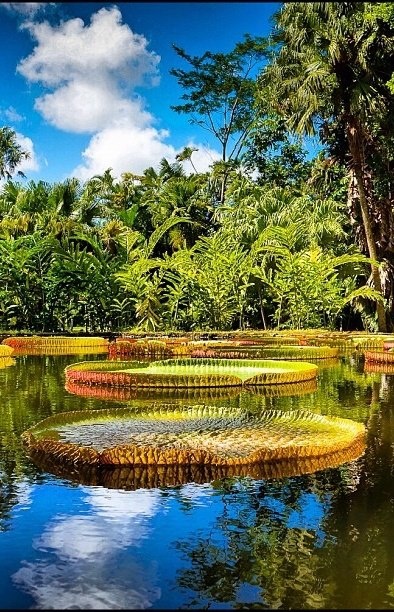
[(27, 9), (202, 158), (124, 148), (121, 515), (86, 107), (54, 586), (30, 164), (11, 114), (79, 572), (127, 148), (90, 73)]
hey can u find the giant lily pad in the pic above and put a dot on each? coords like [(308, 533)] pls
[(195, 394), (6, 351), (154, 476), (60, 350), (263, 352), (28, 342), (6, 362), (378, 368), (382, 357), (191, 373), (192, 435)]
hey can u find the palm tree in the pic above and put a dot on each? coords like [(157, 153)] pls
[(186, 155), (311, 287), (323, 75), (11, 153)]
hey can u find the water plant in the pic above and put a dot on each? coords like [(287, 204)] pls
[(268, 352), (206, 394), (191, 373), (5, 362), (190, 435), (386, 357), (131, 478), (6, 351), (54, 341)]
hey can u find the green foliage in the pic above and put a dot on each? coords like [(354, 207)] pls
[(11, 153), (307, 285)]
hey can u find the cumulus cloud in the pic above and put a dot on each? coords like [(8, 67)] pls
[(127, 148), (124, 147), (92, 71), (26, 9), (31, 164), (90, 74)]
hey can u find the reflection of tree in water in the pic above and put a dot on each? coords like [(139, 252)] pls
[(265, 551), (254, 554), (30, 390), (362, 559)]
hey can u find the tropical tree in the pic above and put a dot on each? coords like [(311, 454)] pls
[(210, 282), (278, 157), (11, 153), (141, 276), (219, 92), (324, 75), (310, 287)]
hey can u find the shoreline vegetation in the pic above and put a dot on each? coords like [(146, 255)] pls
[(272, 236)]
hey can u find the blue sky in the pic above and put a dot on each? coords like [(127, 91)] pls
[(87, 86)]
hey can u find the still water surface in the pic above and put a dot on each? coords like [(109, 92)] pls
[(323, 540)]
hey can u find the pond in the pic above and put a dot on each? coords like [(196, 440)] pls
[(317, 540)]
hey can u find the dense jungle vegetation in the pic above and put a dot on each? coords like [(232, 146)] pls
[(269, 237)]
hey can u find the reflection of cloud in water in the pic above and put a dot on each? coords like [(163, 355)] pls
[(23, 493), (54, 589), (86, 572), (113, 504), (199, 494)]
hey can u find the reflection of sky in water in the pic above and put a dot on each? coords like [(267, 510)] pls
[(95, 548), (86, 566)]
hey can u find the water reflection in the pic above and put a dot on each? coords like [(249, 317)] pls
[(83, 567), (320, 541), (132, 478)]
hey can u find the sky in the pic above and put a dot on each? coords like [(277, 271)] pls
[(86, 85)]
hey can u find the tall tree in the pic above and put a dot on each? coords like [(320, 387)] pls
[(324, 76), (219, 92)]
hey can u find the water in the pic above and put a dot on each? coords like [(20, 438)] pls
[(321, 540)]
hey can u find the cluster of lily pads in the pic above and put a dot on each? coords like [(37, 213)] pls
[(168, 443)]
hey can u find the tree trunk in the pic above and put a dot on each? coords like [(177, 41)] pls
[(355, 148)]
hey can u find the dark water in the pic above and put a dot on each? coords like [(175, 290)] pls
[(317, 541)]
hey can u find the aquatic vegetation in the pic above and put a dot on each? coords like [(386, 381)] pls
[(18, 342), (379, 367), (192, 435), (386, 357), (236, 342), (6, 362), (155, 476), (187, 393), (106, 392), (6, 351), (280, 352), (61, 350), (191, 373)]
